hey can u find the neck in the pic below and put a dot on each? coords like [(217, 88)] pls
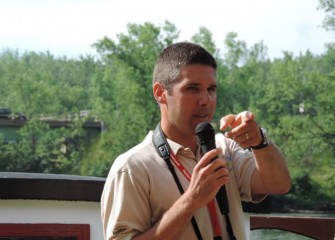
[(187, 140)]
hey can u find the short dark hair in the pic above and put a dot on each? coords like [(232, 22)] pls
[(176, 56)]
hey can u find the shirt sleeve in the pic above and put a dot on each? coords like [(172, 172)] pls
[(243, 164), (125, 208)]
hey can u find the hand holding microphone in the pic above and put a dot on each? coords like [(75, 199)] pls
[(206, 139)]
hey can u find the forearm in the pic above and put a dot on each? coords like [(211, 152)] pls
[(271, 175), (173, 222)]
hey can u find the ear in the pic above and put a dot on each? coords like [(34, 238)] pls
[(159, 93)]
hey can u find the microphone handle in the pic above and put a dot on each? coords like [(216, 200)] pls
[(221, 196)]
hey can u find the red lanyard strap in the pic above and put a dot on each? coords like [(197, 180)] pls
[(211, 204), (163, 150)]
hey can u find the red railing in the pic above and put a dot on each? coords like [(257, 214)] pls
[(313, 227), (45, 231)]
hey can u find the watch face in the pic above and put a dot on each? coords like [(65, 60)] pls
[(263, 130), (265, 136)]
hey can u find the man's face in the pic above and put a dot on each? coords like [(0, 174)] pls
[(193, 98)]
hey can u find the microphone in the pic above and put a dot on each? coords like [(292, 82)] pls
[(206, 139)]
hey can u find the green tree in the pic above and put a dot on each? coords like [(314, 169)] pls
[(205, 38), (123, 90), (329, 7), (233, 81), (40, 86)]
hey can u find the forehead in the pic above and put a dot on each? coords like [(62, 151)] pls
[(198, 73)]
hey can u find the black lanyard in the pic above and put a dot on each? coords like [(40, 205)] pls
[(163, 150)]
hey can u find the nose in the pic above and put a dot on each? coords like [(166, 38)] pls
[(206, 99)]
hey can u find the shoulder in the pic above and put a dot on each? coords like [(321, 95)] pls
[(136, 159), (138, 150)]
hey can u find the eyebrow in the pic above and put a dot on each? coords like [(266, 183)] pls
[(213, 86), (198, 84)]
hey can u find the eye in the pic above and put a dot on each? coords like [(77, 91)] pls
[(212, 89), (193, 88)]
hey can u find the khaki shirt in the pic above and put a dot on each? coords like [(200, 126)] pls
[(140, 188)]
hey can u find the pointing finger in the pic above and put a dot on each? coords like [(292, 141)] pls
[(245, 116), (227, 121)]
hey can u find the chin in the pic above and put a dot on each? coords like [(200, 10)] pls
[(199, 121), (205, 119)]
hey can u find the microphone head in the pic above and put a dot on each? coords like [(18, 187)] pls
[(205, 133)]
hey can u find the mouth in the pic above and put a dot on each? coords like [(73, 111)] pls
[(206, 115), (203, 114)]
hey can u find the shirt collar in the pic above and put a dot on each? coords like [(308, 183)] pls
[(176, 148)]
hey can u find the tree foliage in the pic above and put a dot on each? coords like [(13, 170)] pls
[(293, 97), (329, 7)]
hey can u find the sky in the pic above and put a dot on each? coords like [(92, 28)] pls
[(70, 27)]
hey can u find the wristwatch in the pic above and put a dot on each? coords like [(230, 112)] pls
[(265, 140)]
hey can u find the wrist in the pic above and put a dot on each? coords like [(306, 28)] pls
[(265, 140)]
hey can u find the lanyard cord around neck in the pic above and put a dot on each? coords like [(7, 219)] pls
[(163, 150)]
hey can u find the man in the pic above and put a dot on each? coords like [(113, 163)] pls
[(141, 199)]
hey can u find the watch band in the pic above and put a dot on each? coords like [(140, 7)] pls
[(264, 142)]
